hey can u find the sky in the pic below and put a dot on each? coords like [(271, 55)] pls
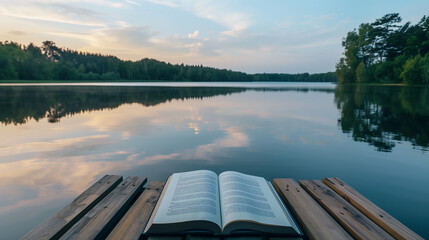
[(253, 36)]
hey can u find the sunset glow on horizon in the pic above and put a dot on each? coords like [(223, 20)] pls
[(249, 36)]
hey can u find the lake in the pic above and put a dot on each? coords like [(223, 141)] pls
[(57, 139)]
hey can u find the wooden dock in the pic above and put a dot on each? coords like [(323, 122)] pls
[(113, 208)]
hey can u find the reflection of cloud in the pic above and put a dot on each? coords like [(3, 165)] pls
[(133, 136), (234, 139), (121, 121), (282, 137), (308, 140), (194, 35), (152, 159), (56, 146), (144, 120), (195, 127), (63, 178), (62, 168)]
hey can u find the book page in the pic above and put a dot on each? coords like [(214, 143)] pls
[(249, 198), (190, 196)]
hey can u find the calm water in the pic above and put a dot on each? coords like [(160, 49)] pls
[(57, 140)]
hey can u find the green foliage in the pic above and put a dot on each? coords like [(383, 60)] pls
[(343, 72), (50, 62), (300, 77), (416, 70), (362, 74), (387, 72), (425, 69), (6, 63), (384, 51)]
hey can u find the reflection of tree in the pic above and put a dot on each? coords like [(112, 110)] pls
[(19, 104), (381, 115)]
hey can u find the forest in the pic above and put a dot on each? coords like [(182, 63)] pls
[(386, 52), (50, 62)]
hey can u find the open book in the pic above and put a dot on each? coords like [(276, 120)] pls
[(231, 203)]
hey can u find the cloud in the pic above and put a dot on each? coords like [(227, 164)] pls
[(235, 21), (123, 41), (218, 11), (126, 36), (68, 9), (17, 33), (52, 12), (99, 3), (232, 38), (168, 3), (132, 2)]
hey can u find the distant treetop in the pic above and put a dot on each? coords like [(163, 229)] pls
[(386, 52), (49, 62)]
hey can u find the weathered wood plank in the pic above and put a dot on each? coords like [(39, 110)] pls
[(312, 219), (98, 222), (55, 226), (164, 238), (133, 223), (191, 237), (375, 213), (261, 238), (284, 238), (355, 222), (246, 238)]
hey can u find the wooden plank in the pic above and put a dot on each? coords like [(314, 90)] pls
[(375, 213), (99, 221), (261, 238), (133, 223), (246, 238), (351, 219), (191, 237), (164, 238), (284, 238), (312, 219), (55, 226)]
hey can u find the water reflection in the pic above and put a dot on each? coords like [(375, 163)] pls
[(92, 131), (57, 140), (385, 115), (378, 115), (21, 103)]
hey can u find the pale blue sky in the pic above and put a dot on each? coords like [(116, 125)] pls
[(246, 35)]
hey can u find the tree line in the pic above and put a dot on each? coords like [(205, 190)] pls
[(49, 62), (386, 52)]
